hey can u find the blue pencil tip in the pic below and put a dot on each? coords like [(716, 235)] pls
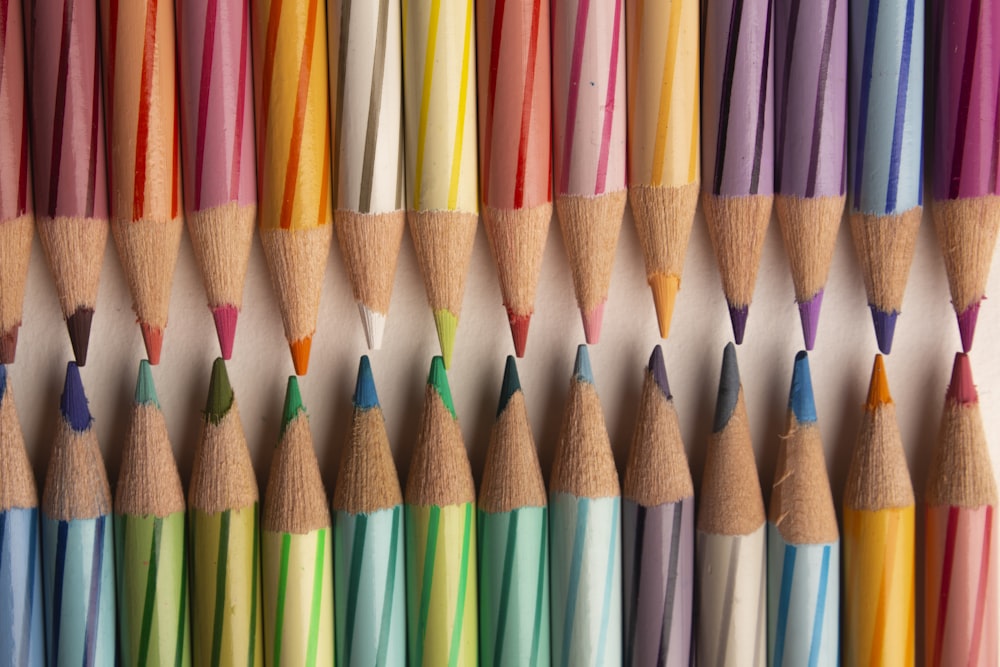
[(73, 403), (729, 389), (3, 381), (659, 371), (365, 396), (511, 385), (885, 327), (800, 399), (581, 369), (145, 390)]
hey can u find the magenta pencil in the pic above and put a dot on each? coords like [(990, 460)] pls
[(216, 96)]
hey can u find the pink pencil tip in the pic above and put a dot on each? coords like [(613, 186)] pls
[(592, 324), (967, 325), (519, 331), (961, 389), (153, 338), (225, 326)]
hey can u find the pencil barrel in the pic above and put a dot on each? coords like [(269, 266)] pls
[(370, 588), (21, 615)]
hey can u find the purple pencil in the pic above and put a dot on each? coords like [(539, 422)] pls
[(738, 144), (658, 531), (810, 99)]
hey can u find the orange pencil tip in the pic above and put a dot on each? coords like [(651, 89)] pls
[(878, 388), (300, 354), (153, 338), (519, 331), (665, 290)]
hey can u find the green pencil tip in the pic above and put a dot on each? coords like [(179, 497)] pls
[(293, 403), (511, 385), (145, 390), (220, 393), (438, 379), (447, 324)]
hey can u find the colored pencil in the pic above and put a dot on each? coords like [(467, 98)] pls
[(366, 86), (878, 538), (513, 539), (293, 160), (515, 134), (810, 93), (67, 145), (77, 540), (17, 219), (150, 539), (441, 600), (439, 97), (370, 579), (297, 548), (21, 614), (803, 550), (585, 534), (663, 139), (588, 120), (225, 566), (960, 566), (658, 531), (731, 549), (213, 42), (966, 204), (885, 164), (140, 91), (738, 144)]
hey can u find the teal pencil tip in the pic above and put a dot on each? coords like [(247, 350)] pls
[(581, 369), (511, 385), (438, 379), (145, 390), (293, 403), (220, 393), (365, 397), (800, 399), (3, 381)]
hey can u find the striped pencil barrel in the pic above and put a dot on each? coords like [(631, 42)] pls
[(293, 160), (803, 543), (966, 203), (297, 548), (664, 156), (150, 539), (878, 539), (810, 95), (738, 143), (77, 540), (440, 512), (370, 579), (885, 116), (731, 549), (515, 134), (366, 90), (513, 539), (585, 532), (21, 614), (439, 97), (960, 562), (658, 531), (225, 566), (588, 121), (68, 149), (220, 188), (143, 128), (17, 219)]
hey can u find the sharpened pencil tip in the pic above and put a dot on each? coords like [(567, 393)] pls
[(809, 315), (738, 316), (365, 397), (220, 393), (300, 354), (885, 328), (73, 403), (665, 289), (145, 390), (225, 328), (511, 385), (967, 325), (447, 326), (153, 339), (8, 345), (78, 325), (729, 389), (519, 331), (659, 371), (592, 323), (801, 400), (3, 381), (878, 388), (582, 370), (438, 378), (373, 323), (293, 403), (962, 390)]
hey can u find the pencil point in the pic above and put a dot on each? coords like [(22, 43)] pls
[(729, 389), (293, 403), (809, 315), (519, 330), (801, 400), (447, 324), (665, 290), (365, 397), (438, 379), (225, 327), (885, 327), (581, 368), (78, 325), (878, 388), (659, 371), (592, 322), (220, 393), (3, 381), (374, 326), (8, 345), (300, 354), (511, 385), (961, 389), (73, 403), (967, 325), (153, 338), (738, 316), (145, 390)]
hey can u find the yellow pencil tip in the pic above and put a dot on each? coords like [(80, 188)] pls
[(300, 354), (878, 388), (665, 288), (447, 324)]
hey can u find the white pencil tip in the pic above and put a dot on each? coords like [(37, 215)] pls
[(374, 324)]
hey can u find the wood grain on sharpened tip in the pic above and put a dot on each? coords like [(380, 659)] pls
[(150, 539), (886, 74), (68, 155), (143, 127), (663, 139), (441, 572), (585, 532), (370, 580), (21, 611), (513, 539), (738, 143), (439, 94), (731, 548), (297, 547), (515, 132), (220, 190), (658, 531), (366, 89), (878, 532), (960, 562), (803, 554), (17, 220), (810, 92), (966, 203), (224, 558), (293, 160), (77, 541)]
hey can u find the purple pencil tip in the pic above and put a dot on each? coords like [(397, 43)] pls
[(659, 371), (967, 325), (738, 316), (885, 327), (809, 314)]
